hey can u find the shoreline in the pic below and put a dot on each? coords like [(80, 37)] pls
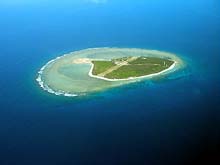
[(46, 87), (131, 78), (178, 63)]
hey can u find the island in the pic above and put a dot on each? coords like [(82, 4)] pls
[(97, 69), (126, 68)]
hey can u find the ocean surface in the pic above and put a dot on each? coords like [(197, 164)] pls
[(174, 120)]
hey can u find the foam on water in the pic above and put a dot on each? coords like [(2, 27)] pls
[(46, 87), (104, 84)]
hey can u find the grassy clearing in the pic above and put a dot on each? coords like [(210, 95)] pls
[(141, 66), (127, 71), (101, 66), (152, 60)]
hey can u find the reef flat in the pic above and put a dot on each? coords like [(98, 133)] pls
[(76, 73)]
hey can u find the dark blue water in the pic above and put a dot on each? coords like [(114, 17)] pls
[(170, 121)]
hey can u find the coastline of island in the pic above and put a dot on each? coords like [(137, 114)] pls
[(71, 74), (132, 78), (89, 61)]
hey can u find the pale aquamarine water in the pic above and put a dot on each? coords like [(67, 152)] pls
[(62, 76), (173, 120)]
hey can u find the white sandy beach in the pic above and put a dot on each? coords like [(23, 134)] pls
[(132, 78), (89, 61), (65, 76)]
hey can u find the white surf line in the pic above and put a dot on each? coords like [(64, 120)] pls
[(43, 85), (46, 87), (131, 78)]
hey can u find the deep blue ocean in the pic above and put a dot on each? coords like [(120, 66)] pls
[(171, 121)]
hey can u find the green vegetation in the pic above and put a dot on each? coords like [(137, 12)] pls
[(127, 71), (120, 59), (151, 60), (126, 67), (101, 66)]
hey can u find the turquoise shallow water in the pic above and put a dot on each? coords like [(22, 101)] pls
[(66, 77), (171, 120)]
